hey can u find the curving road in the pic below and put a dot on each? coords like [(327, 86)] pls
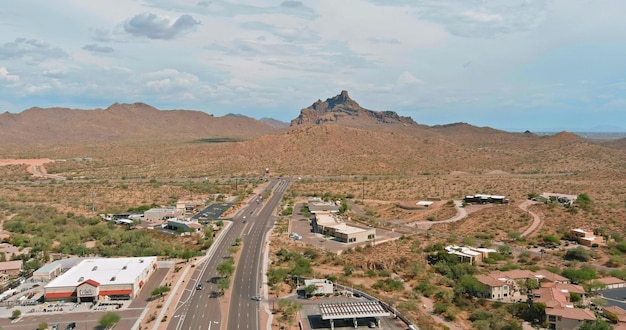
[(536, 219)]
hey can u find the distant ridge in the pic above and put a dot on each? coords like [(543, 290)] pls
[(121, 122)]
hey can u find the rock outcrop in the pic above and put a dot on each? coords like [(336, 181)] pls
[(341, 109)]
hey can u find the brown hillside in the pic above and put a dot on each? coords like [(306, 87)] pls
[(121, 122)]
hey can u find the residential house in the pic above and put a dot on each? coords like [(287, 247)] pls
[(568, 318), (586, 238), (612, 282), (11, 269), (617, 313), (469, 254), (494, 288)]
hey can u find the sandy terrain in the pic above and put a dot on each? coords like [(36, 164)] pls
[(34, 166)]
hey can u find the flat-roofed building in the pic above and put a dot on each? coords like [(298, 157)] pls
[(332, 225), (161, 213), (49, 271), (322, 286), (469, 254), (102, 279), (586, 238)]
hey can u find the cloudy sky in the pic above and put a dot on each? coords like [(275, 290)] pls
[(508, 64)]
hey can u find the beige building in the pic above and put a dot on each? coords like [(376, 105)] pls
[(11, 269), (332, 225), (469, 254), (494, 288), (161, 214), (586, 238)]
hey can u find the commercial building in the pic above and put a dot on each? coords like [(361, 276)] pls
[(102, 279), (161, 213), (322, 286), (332, 225), (185, 226)]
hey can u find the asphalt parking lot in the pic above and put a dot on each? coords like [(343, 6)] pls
[(615, 297), (213, 211)]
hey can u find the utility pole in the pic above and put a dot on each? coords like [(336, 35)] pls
[(363, 194)]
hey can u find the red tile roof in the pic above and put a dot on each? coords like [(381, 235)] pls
[(578, 314), (489, 281), (610, 280)]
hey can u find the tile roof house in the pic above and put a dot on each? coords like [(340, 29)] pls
[(494, 288), (550, 276), (568, 318), (618, 312), (11, 268), (612, 282)]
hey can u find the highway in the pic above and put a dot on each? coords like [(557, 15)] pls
[(243, 311), (200, 309)]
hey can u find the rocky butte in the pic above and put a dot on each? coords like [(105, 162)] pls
[(343, 110)]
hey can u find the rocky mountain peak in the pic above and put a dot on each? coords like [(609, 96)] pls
[(341, 109)]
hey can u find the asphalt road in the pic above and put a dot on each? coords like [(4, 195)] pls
[(243, 311), (200, 309)]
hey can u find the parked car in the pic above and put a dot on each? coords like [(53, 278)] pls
[(55, 327), (71, 326)]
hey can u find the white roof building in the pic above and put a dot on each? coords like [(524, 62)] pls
[(92, 279)]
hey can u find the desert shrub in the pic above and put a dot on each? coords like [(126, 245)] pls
[(425, 288), (580, 275), (578, 253), (388, 285)]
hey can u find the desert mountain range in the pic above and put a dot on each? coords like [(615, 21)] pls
[(332, 136)]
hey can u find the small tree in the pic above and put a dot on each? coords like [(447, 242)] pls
[(109, 319), (223, 284), (309, 290), (226, 268), (42, 326), (16, 314)]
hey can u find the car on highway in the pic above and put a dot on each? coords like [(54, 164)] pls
[(199, 286), (256, 298), (71, 326)]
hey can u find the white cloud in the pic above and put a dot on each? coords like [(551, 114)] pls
[(406, 78), (156, 26), (4, 75), (482, 16)]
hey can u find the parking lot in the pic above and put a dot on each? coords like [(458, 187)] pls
[(213, 211), (615, 297)]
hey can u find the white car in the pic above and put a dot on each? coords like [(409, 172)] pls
[(256, 298)]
